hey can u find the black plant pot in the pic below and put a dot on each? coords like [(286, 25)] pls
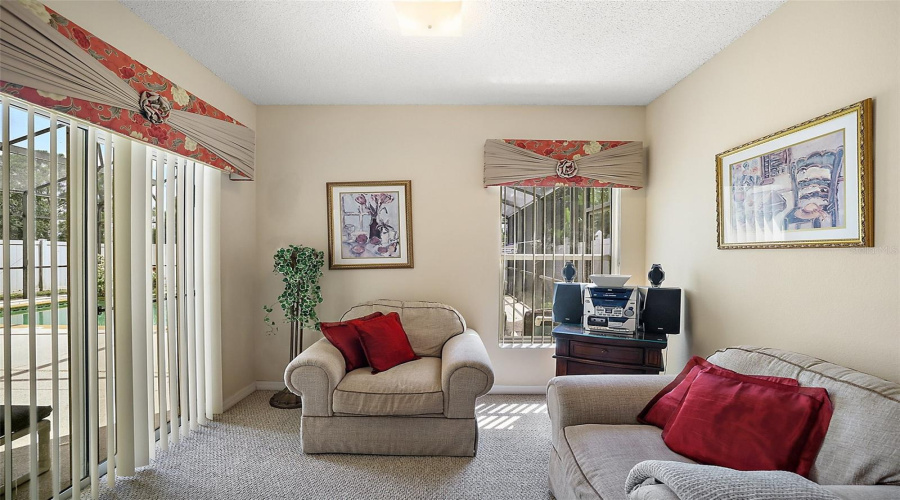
[(285, 399)]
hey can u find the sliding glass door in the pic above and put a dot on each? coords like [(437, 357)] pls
[(105, 323), (36, 363)]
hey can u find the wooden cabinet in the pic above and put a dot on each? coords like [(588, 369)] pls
[(580, 353)]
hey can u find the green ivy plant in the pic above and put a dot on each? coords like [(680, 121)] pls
[(301, 268)]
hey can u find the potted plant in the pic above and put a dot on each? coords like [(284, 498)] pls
[(300, 268)]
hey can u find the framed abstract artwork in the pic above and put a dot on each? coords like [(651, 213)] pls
[(370, 225), (810, 185)]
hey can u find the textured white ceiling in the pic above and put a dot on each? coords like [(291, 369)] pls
[(511, 52)]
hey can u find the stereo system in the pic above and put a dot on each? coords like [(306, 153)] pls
[(611, 309), (623, 310)]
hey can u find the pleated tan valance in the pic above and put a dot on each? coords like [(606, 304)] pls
[(572, 163), (50, 61)]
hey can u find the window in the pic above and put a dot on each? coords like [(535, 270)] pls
[(541, 229)]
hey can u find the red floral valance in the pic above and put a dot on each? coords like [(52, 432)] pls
[(138, 76), (548, 163)]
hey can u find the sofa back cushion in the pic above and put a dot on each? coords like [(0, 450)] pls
[(428, 324), (864, 434)]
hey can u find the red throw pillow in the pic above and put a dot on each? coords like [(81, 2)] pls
[(748, 424), (385, 342), (661, 408), (344, 336)]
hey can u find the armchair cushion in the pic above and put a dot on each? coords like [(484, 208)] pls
[(345, 337), (428, 324), (385, 342), (413, 388)]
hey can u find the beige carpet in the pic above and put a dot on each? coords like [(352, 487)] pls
[(253, 452)]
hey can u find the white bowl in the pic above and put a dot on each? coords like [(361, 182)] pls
[(610, 279)]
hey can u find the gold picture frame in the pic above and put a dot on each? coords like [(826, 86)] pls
[(370, 225), (807, 186)]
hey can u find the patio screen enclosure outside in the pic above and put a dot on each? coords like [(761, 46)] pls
[(542, 228)]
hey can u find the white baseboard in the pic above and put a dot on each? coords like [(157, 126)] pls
[(518, 389), (238, 396), (269, 385)]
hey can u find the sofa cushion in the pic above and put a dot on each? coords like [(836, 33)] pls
[(748, 424), (413, 388), (663, 406), (606, 453), (863, 439), (428, 324)]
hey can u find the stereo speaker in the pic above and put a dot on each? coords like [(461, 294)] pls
[(662, 310), (568, 302)]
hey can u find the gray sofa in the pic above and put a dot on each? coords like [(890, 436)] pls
[(596, 439), (422, 407)]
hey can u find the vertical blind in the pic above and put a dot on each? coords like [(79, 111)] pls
[(542, 228), (130, 343)]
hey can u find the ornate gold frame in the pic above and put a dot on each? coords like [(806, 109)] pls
[(407, 187), (865, 130)]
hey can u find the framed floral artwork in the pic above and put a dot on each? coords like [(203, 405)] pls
[(370, 225), (810, 185)]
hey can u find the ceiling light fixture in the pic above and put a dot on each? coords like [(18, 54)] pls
[(432, 18)]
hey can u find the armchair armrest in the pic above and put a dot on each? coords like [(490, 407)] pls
[(466, 373), (599, 399), (314, 374)]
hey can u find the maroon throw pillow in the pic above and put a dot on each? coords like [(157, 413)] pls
[(748, 424), (343, 335), (385, 342), (661, 408)]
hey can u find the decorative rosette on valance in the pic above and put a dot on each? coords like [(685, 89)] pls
[(545, 163), (50, 61)]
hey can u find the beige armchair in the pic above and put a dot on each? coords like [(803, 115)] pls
[(423, 407)]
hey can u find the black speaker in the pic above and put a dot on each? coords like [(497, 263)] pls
[(662, 310), (568, 304)]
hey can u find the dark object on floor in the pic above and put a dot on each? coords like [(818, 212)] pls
[(285, 400)]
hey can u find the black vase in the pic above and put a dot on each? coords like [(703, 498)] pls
[(656, 275), (374, 232), (569, 271)]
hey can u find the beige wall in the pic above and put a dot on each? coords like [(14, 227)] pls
[(455, 220), (118, 26), (842, 305)]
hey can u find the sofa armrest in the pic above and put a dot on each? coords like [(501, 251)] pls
[(599, 399), (314, 374), (466, 373)]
